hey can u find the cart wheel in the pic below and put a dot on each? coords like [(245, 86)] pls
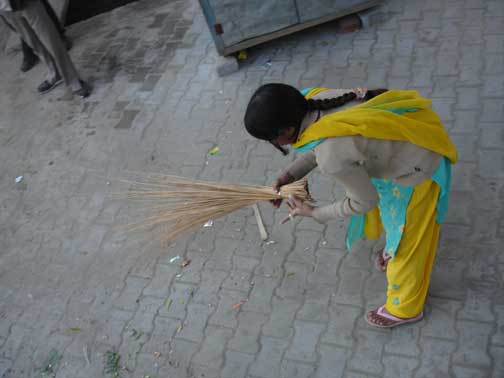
[(242, 55), (370, 17), (350, 23)]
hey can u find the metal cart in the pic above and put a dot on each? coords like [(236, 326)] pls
[(239, 24)]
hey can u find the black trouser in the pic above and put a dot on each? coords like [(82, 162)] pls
[(27, 51)]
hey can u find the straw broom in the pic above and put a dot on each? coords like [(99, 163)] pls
[(184, 204)]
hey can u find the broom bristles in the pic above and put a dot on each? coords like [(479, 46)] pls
[(184, 204)]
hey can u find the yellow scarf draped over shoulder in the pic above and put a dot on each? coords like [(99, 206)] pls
[(401, 115)]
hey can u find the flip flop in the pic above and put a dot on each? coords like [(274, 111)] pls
[(397, 321)]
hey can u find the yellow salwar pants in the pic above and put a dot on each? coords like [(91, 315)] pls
[(408, 273)]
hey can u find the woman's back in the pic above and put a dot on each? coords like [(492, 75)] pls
[(403, 162)]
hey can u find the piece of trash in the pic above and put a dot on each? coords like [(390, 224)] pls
[(178, 275), (136, 334), (179, 328), (214, 150), (173, 259), (270, 242), (19, 179), (112, 363), (85, 350), (290, 274), (168, 304), (75, 329), (267, 64), (157, 354), (185, 262), (324, 242), (51, 364), (237, 306), (242, 55), (208, 224)]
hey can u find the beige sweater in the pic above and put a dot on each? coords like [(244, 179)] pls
[(354, 160)]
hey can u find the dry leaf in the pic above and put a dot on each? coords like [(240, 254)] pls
[(185, 263)]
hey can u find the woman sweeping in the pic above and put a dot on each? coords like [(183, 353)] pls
[(390, 152)]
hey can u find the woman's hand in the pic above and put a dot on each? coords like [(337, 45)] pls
[(297, 207), (284, 179)]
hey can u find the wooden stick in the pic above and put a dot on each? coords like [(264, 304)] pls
[(260, 223)]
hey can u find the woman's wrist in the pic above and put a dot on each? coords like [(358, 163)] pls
[(310, 212), (286, 178)]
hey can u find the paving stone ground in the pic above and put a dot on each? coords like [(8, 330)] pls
[(73, 284)]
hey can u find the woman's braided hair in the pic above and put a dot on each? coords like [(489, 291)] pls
[(335, 102)]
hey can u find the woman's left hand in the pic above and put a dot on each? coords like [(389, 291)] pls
[(297, 207)]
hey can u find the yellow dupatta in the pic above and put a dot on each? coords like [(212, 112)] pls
[(394, 115)]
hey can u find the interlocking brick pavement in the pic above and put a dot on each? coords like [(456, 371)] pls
[(72, 282)]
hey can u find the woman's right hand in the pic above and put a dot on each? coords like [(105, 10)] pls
[(284, 179)]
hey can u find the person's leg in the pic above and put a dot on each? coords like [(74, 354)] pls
[(10, 19), (30, 59), (52, 15), (17, 23), (22, 26), (408, 274), (58, 22), (50, 39)]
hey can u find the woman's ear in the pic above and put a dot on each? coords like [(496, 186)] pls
[(293, 134), (290, 132)]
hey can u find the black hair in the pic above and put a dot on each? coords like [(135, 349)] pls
[(275, 107)]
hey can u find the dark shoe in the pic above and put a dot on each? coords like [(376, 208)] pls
[(29, 63), (84, 91), (30, 59), (47, 86)]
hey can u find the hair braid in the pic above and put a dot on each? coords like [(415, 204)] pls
[(329, 103), (335, 102), (373, 93)]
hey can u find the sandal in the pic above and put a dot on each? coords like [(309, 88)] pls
[(387, 319), (381, 260)]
